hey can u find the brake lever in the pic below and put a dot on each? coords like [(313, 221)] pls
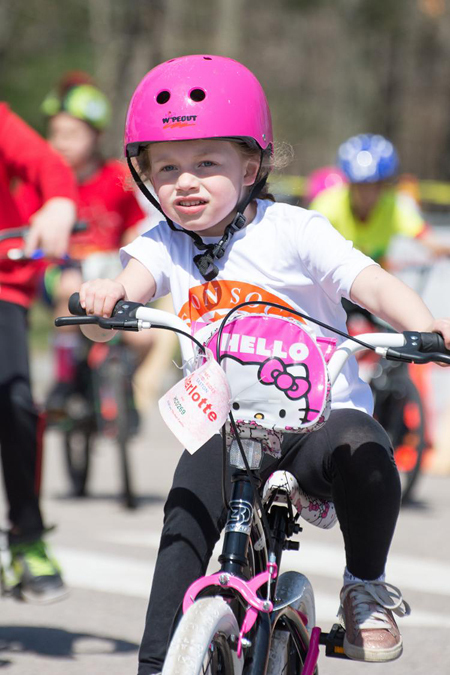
[(412, 349), (113, 323), (401, 354), (75, 320), (123, 317)]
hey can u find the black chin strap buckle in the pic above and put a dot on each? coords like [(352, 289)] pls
[(205, 261), (238, 223), (205, 265)]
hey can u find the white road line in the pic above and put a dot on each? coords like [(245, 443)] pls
[(125, 576), (101, 572), (327, 606), (134, 538), (422, 574)]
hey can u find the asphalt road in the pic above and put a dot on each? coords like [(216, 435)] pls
[(108, 554)]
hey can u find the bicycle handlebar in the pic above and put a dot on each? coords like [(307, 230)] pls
[(74, 305), (409, 346), (123, 316), (21, 233), (132, 316), (430, 348)]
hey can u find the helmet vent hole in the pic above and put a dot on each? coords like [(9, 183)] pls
[(207, 58), (197, 95), (163, 97)]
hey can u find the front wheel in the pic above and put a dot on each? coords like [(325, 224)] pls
[(202, 643), (78, 451), (409, 448), (289, 644), (290, 636), (114, 404)]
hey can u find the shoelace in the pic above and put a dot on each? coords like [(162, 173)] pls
[(386, 596)]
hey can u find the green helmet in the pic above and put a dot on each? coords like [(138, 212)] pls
[(83, 101)]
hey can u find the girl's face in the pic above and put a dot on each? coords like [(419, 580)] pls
[(199, 183), (75, 140)]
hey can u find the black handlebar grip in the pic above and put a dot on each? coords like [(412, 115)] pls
[(433, 342), (74, 305)]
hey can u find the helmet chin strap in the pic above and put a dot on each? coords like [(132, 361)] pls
[(205, 261), (210, 252)]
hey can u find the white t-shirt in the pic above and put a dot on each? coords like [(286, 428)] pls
[(286, 254)]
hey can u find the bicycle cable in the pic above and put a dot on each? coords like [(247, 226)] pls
[(182, 332), (224, 469), (288, 309)]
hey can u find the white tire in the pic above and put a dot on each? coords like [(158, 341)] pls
[(191, 643)]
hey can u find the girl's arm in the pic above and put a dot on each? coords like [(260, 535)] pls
[(134, 283), (390, 299)]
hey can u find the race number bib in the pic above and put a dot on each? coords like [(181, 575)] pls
[(197, 406)]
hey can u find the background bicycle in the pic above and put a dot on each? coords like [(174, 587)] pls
[(402, 392), (102, 401), (398, 404), (246, 619), (100, 405)]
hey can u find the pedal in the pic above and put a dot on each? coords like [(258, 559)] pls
[(290, 545), (334, 642)]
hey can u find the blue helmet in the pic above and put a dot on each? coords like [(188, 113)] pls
[(368, 158)]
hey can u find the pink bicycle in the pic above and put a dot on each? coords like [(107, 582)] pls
[(275, 378)]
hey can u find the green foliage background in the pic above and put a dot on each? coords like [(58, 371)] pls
[(331, 68)]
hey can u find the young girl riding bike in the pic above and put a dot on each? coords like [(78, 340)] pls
[(199, 132)]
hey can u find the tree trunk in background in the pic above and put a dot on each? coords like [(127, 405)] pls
[(5, 28), (229, 39), (175, 28), (330, 69), (127, 42)]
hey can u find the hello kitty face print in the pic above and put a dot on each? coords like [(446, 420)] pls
[(277, 373)]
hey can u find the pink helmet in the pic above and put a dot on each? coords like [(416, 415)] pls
[(321, 179), (194, 97)]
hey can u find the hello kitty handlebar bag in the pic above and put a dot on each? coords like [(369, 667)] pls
[(277, 372)]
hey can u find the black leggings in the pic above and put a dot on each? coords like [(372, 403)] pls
[(18, 426), (349, 461)]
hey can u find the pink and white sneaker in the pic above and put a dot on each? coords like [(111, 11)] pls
[(366, 613)]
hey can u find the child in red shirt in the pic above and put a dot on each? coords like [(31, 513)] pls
[(26, 156), (78, 112)]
